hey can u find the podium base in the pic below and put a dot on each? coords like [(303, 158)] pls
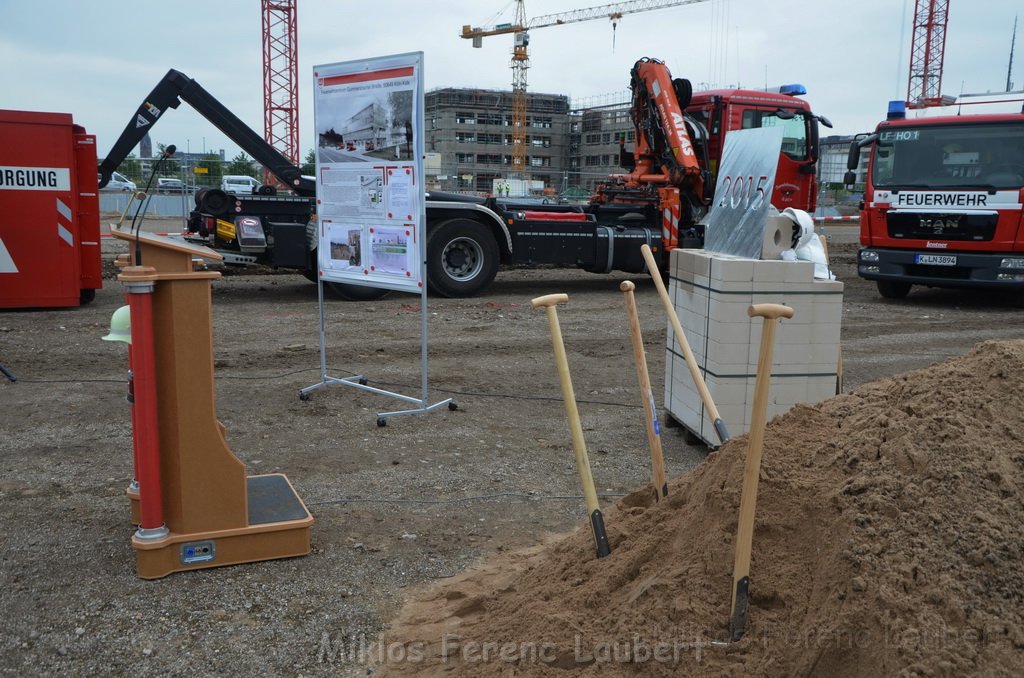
[(279, 527)]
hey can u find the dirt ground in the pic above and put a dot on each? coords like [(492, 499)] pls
[(397, 508)]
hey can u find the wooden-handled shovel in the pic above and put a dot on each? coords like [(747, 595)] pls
[(752, 470), (579, 445), (684, 345), (646, 396)]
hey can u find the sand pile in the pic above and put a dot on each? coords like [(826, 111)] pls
[(889, 539)]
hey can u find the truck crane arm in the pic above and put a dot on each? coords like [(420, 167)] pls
[(664, 151), (176, 87)]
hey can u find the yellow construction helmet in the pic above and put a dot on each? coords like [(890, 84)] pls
[(120, 326)]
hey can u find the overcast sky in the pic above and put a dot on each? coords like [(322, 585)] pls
[(98, 59)]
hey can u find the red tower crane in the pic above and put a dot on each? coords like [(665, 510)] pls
[(924, 83), (280, 79)]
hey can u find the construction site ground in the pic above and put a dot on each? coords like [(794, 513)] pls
[(397, 508)]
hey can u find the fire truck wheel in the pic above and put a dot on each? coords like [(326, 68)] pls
[(462, 258), (356, 292), (893, 289), (86, 296)]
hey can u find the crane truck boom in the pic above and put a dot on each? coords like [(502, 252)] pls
[(176, 87), (659, 202)]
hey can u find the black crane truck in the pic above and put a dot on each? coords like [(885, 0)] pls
[(467, 237)]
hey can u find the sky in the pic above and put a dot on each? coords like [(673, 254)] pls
[(98, 59)]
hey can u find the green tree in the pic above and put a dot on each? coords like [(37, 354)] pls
[(242, 164), (309, 166)]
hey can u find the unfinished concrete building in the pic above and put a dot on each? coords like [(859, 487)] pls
[(470, 130)]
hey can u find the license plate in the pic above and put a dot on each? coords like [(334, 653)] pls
[(935, 259)]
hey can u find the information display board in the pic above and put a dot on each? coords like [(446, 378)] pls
[(368, 116)]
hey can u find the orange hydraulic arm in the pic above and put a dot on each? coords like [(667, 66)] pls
[(664, 152)]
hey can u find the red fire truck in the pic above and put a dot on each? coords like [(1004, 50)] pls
[(942, 202)]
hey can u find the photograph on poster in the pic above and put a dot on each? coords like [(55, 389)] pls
[(345, 246), (393, 250), (366, 119)]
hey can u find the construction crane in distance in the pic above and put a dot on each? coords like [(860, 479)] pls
[(280, 80), (521, 59), (927, 47)]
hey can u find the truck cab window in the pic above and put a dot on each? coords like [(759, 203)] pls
[(982, 156), (794, 129)]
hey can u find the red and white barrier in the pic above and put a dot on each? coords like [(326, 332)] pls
[(853, 219)]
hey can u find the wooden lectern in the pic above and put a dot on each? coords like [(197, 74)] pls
[(214, 514)]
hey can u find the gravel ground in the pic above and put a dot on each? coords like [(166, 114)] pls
[(397, 507)]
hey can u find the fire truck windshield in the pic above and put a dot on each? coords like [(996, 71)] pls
[(950, 156), (794, 128)]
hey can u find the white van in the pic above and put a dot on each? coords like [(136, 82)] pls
[(238, 184), (119, 182)]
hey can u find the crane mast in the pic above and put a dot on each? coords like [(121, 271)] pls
[(928, 44), (280, 79), (520, 64)]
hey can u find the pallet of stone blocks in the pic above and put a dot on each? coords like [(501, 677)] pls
[(711, 293)]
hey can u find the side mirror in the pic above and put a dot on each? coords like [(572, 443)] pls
[(850, 178), (824, 121), (853, 158)]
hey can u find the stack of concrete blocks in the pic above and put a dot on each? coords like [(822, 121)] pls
[(711, 293)]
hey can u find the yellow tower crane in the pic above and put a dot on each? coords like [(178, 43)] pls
[(521, 59)]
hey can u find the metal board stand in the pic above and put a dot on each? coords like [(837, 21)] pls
[(360, 382)]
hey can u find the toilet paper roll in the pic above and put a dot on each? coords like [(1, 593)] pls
[(778, 236)]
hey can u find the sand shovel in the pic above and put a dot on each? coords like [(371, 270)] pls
[(575, 427), (646, 395), (684, 345), (752, 471)]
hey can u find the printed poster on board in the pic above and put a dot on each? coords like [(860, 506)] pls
[(369, 171)]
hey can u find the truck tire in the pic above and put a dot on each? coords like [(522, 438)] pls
[(893, 289), (462, 258)]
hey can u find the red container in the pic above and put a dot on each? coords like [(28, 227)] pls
[(49, 211)]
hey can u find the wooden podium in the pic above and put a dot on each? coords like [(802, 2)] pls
[(214, 514)]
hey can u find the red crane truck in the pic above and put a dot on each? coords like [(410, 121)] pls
[(468, 237), (942, 201)]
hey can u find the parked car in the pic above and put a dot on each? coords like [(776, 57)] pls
[(238, 183), (118, 182), (164, 185)]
